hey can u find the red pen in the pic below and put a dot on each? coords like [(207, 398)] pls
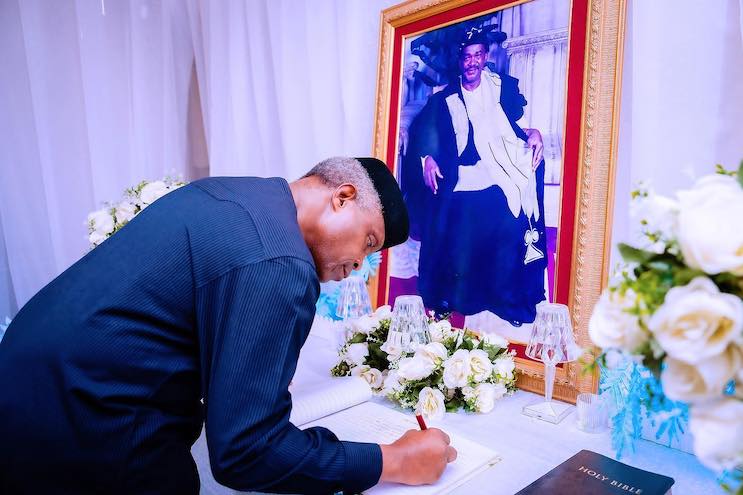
[(421, 423)]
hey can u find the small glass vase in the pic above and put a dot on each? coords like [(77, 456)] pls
[(552, 342), (409, 325), (353, 299)]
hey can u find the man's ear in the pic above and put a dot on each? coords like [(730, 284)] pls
[(343, 194)]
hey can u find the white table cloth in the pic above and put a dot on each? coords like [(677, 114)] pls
[(529, 447)]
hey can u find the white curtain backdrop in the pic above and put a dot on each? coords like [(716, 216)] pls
[(93, 99), (96, 95), (285, 83), (682, 98)]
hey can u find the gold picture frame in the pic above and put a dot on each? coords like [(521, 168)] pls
[(599, 24)]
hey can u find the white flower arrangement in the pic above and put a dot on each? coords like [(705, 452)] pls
[(678, 306), (103, 223), (457, 369)]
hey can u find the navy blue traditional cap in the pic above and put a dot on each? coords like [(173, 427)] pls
[(394, 211), (474, 36)]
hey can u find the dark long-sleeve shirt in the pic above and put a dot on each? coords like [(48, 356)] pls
[(208, 293)]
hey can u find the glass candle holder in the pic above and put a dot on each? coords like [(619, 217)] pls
[(592, 414), (353, 299), (409, 325)]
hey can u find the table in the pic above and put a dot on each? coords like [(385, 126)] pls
[(529, 447)]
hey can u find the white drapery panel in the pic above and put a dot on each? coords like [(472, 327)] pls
[(97, 95), (682, 98), (285, 83), (93, 99)]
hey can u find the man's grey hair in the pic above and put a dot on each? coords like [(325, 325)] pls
[(339, 170)]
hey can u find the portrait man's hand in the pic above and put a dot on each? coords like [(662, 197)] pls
[(417, 457), (430, 172), (403, 140), (534, 141)]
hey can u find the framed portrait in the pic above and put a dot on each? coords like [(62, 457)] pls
[(499, 120)]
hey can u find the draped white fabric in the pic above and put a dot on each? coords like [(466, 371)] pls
[(96, 95), (682, 97), (285, 83), (93, 97)]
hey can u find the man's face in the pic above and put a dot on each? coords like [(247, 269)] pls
[(346, 235), (471, 62)]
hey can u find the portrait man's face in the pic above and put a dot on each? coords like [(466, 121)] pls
[(471, 62)]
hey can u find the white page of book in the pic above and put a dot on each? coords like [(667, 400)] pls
[(371, 422), (314, 400)]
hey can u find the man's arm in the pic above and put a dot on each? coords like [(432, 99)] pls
[(252, 322)]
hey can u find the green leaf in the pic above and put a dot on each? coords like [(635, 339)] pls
[(634, 255), (685, 275), (454, 405), (740, 174), (661, 266), (358, 338)]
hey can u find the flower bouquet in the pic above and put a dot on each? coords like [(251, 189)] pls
[(677, 307), (458, 369), (105, 222)]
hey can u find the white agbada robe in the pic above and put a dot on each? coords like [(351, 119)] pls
[(505, 160)]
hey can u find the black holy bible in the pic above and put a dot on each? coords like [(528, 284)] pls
[(589, 473)]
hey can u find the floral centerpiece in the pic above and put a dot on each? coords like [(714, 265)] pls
[(677, 307), (105, 222), (458, 369)]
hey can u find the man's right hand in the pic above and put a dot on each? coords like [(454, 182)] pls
[(417, 457), (430, 172)]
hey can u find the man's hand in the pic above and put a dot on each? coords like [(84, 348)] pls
[(403, 140), (417, 457), (535, 142), (430, 172)]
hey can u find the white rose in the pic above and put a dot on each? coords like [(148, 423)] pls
[(495, 340), (435, 351), (393, 351), (717, 428), (435, 331), (101, 222), (697, 321), (660, 216), (383, 312), (611, 326), (430, 403), (703, 380), (613, 358), (95, 238), (356, 353), (153, 191), (364, 324), (705, 235), (125, 211), (480, 365), (486, 394), (415, 368), (457, 369), (392, 383), (504, 367), (446, 327), (372, 376), (469, 392), (440, 330)]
